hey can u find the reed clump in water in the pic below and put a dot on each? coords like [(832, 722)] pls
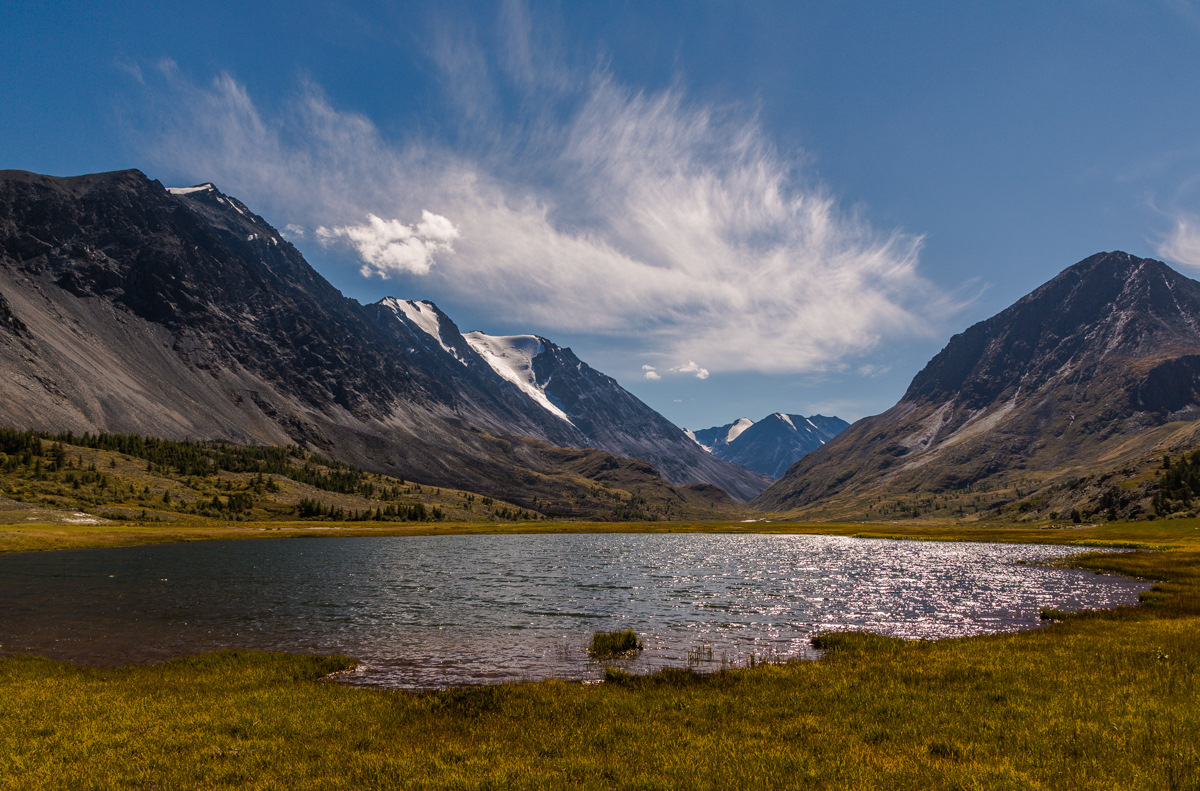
[(610, 644)]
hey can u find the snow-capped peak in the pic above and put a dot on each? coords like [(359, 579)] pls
[(511, 356), (206, 187), (785, 418), (425, 316), (737, 428)]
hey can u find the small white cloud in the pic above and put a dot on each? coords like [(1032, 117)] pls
[(871, 370), (131, 68), (293, 231), (651, 374), (390, 247), (1182, 246), (690, 367)]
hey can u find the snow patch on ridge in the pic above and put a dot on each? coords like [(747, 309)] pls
[(207, 187), (692, 436), (787, 420), (511, 356), (737, 428), (425, 317)]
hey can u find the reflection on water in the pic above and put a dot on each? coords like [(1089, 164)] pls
[(442, 610)]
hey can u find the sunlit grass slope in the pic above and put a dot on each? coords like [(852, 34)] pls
[(1103, 700), (103, 478)]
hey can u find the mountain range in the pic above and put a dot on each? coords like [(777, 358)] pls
[(179, 313), (1096, 371), (771, 445), (129, 307)]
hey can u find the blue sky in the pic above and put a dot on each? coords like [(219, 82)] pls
[(734, 208)]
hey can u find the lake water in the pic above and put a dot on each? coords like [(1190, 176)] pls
[(435, 611)]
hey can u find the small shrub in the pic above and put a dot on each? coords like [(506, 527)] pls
[(615, 675), (1052, 614), (605, 644), (945, 750)]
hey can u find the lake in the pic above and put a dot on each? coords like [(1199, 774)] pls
[(432, 611)]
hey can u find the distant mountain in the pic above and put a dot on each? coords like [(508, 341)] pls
[(128, 307), (772, 444), (1092, 371), (715, 438)]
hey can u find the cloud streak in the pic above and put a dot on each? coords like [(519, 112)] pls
[(673, 227)]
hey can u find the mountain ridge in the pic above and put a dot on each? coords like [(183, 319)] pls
[(1080, 372)]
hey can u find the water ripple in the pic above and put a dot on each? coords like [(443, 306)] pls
[(433, 611)]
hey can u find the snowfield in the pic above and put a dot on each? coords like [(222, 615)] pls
[(511, 356)]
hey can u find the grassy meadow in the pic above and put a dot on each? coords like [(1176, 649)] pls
[(1099, 700)]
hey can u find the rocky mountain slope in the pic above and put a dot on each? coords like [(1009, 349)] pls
[(1093, 371), (591, 409), (127, 307), (772, 444)]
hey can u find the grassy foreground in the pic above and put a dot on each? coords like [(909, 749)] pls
[(1100, 700)]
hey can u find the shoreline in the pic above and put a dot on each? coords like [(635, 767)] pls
[(1151, 535)]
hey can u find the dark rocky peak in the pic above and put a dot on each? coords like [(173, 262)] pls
[(42, 218), (188, 262), (226, 213), (1111, 305), (165, 255)]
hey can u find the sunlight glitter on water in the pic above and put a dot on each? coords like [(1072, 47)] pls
[(436, 611)]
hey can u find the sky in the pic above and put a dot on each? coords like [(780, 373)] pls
[(733, 208)]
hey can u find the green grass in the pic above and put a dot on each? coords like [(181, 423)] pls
[(610, 644), (1097, 701)]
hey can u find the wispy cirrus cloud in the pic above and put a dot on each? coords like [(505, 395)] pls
[(1182, 244), (672, 226)]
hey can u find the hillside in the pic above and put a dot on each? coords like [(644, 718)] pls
[(127, 478)]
